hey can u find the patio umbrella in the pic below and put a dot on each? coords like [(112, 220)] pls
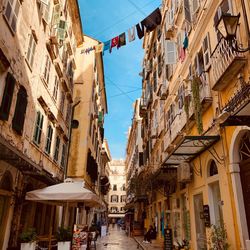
[(66, 192)]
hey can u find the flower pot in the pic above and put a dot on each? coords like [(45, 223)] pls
[(63, 245), (28, 246)]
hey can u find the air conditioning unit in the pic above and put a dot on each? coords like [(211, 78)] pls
[(184, 172)]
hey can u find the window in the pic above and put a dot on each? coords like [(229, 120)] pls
[(55, 90), (170, 52), (45, 10), (31, 50), (206, 51), (181, 95), (7, 97), (155, 81), (48, 139), (63, 158), (114, 187), (213, 170), (123, 198), (114, 198), (20, 110), (46, 69), (62, 102), (11, 11), (114, 209), (38, 128), (159, 65), (68, 115), (122, 209), (57, 148)]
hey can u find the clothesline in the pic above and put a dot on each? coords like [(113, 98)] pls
[(148, 24)]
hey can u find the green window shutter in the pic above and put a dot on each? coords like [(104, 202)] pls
[(57, 147), (49, 139), (20, 111), (7, 97), (40, 128), (61, 30), (38, 117)]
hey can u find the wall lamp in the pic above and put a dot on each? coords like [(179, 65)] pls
[(227, 26)]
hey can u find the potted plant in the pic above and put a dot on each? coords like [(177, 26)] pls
[(64, 237), (218, 238), (28, 239)]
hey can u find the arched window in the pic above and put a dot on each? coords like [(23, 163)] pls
[(6, 182), (213, 170), (20, 111), (244, 148)]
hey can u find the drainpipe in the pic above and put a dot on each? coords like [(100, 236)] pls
[(77, 102), (246, 21)]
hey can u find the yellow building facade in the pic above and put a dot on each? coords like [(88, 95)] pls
[(195, 126)]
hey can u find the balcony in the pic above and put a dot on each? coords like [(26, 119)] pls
[(143, 107), (226, 63), (205, 92)]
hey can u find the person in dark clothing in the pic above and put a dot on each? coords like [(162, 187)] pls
[(149, 235)]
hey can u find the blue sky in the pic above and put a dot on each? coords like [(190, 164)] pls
[(103, 20)]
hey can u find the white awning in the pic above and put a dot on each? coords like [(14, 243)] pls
[(68, 191), (116, 215)]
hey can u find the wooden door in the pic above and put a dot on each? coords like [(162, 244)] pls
[(245, 183)]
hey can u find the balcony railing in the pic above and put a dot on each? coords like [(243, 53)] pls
[(226, 63), (205, 92)]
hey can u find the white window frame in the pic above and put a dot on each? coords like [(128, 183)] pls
[(14, 7), (31, 50), (46, 71)]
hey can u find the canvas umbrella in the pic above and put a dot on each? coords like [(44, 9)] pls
[(69, 191)]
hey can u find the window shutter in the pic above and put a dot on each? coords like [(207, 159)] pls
[(20, 111), (195, 6), (40, 128), (187, 11), (61, 30), (56, 14), (206, 51), (46, 2), (170, 52), (7, 97)]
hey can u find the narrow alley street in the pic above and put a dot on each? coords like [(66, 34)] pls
[(116, 240)]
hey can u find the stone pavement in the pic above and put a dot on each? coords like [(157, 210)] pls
[(116, 240), (148, 246)]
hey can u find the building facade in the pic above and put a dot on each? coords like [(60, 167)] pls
[(117, 192), (37, 64), (88, 152), (195, 106)]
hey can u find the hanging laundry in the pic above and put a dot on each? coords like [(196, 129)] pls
[(182, 54), (106, 45), (122, 40), (131, 34), (152, 21), (114, 43), (140, 30), (99, 48), (185, 42)]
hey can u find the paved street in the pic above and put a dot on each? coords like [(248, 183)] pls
[(116, 240)]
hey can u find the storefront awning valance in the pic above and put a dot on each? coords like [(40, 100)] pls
[(189, 148)]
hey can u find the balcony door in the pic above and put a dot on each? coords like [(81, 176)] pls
[(245, 183), (199, 223)]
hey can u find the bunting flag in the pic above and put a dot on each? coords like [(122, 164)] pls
[(148, 24)]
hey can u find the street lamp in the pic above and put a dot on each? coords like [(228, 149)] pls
[(227, 26)]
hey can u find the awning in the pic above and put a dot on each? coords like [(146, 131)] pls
[(189, 148), (66, 192), (116, 215)]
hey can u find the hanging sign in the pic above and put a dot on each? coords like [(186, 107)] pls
[(168, 241)]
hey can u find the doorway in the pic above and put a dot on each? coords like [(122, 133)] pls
[(199, 223)]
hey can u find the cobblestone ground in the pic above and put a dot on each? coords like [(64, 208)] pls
[(116, 240)]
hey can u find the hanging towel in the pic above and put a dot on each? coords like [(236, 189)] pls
[(114, 43), (185, 42), (151, 21), (122, 40), (131, 34), (182, 54), (106, 45), (140, 30), (99, 48)]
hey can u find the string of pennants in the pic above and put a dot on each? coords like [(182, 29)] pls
[(148, 24)]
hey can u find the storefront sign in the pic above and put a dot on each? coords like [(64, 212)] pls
[(168, 242), (206, 215)]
